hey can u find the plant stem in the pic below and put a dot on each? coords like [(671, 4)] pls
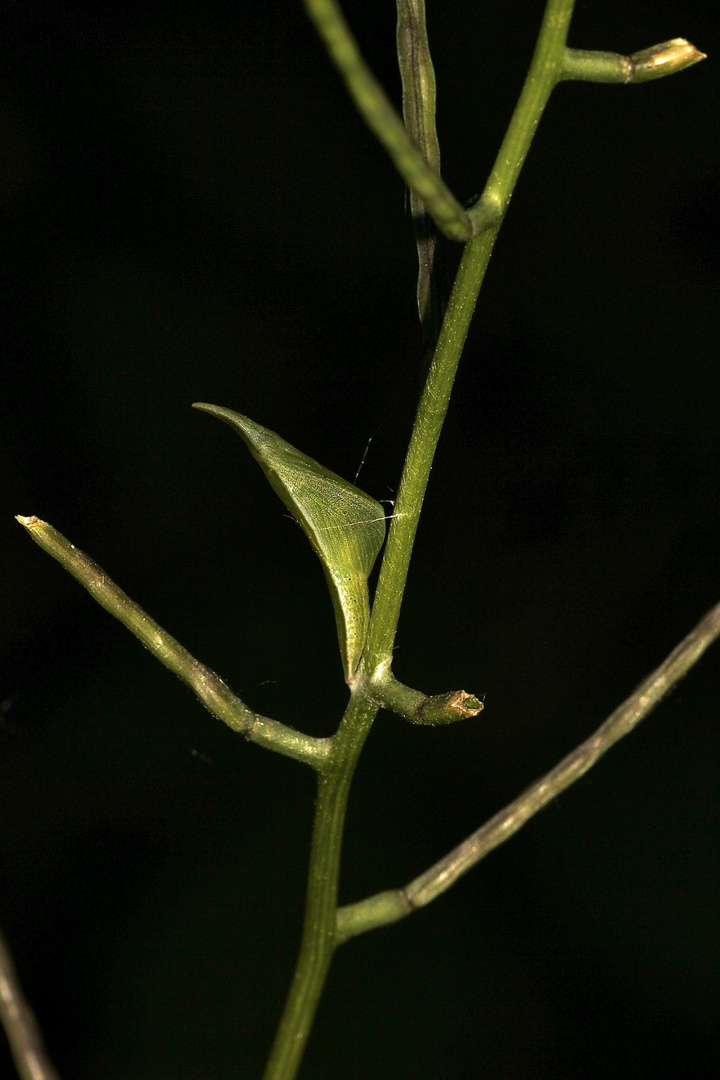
[(208, 687), (26, 1042), (545, 71), (621, 722), (394, 904), (654, 63), (419, 708), (319, 938), (378, 113)]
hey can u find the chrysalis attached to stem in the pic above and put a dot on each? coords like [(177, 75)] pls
[(345, 526)]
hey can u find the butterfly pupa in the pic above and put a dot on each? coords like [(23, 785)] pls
[(345, 526)]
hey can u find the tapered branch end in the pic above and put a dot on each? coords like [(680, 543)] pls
[(665, 59), (470, 705), (29, 522), (448, 708)]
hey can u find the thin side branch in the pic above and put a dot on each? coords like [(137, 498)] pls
[(387, 692), (208, 687), (654, 63), (395, 904), (378, 113), (26, 1042)]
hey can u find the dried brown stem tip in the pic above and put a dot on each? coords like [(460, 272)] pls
[(447, 708), (664, 59)]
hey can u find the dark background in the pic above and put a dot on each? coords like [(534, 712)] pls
[(192, 211)]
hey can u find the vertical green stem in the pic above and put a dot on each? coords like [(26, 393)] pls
[(545, 72), (319, 938), (320, 932), (429, 419)]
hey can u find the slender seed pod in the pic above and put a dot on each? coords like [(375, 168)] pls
[(345, 526)]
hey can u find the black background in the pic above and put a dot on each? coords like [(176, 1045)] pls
[(192, 211)]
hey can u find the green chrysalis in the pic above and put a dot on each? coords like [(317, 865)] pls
[(345, 526)]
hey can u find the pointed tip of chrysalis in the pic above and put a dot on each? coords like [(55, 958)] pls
[(255, 435), (234, 419)]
